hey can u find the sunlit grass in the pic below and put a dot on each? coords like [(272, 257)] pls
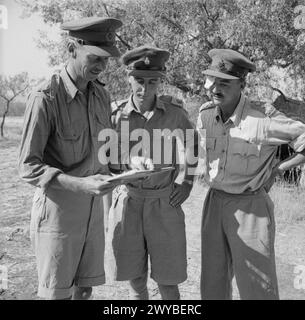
[(289, 202)]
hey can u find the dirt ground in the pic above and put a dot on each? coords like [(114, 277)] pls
[(17, 255)]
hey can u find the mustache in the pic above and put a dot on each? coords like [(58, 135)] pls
[(96, 71), (218, 95)]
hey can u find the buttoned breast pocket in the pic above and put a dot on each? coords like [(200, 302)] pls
[(211, 148), (102, 121), (244, 157), (72, 144)]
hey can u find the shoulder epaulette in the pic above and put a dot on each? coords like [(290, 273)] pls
[(265, 107), (206, 106), (118, 104), (50, 87), (172, 100)]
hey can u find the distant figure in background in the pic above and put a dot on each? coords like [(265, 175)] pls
[(59, 156), (241, 141)]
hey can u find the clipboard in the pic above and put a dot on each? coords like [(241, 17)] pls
[(136, 174)]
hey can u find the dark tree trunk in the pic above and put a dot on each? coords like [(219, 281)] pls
[(3, 118)]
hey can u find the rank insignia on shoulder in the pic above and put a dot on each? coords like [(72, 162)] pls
[(117, 104), (207, 105), (172, 100)]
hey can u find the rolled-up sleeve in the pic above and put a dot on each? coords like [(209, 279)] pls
[(281, 129), (36, 131)]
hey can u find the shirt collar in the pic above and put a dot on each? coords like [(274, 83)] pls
[(70, 87), (217, 113), (160, 104), (130, 106), (237, 114)]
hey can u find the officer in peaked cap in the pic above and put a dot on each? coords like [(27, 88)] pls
[(151, 209), (146, 61), (229, 64), (240, 140), (59, 156), (96, 34)]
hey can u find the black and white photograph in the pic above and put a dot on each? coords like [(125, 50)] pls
[(152, 150)]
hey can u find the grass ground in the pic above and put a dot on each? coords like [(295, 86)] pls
[(17, 255)]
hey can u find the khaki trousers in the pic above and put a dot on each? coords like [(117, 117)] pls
[(238, 239)]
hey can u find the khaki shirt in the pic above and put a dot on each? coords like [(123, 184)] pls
[(241, 153), (167, 114), (60, 133)]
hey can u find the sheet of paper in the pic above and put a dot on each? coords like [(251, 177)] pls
[(137, 174)]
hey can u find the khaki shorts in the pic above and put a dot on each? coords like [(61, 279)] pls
[(142, 223), (67, 232)]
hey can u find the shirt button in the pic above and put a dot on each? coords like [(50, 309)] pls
[(224, 133), (223, 151), (221, 168)]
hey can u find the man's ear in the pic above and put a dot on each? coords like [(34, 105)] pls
[(243, 83), (72, 46)]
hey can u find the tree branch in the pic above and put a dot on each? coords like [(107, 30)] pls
[(4, 97), (284, 65), (143, 27), (126, 44), (18, 92), (205, 10), (179, 27), (280, 92), (106, 9)]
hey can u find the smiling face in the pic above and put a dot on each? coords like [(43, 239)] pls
[(87, 65), (144, 89), (224, 93)]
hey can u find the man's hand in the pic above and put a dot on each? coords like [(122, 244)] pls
[(141, 163), (180, 194), (276, 171), (96, 185)]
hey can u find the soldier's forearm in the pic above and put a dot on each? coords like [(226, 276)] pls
[(66, 182), (293, 161)]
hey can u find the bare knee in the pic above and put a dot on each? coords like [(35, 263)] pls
[(82, 293)]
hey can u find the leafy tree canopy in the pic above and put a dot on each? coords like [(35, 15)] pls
[(264, 30)]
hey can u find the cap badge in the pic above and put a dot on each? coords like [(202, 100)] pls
[(110, 36), (222, 66), (147, 61)]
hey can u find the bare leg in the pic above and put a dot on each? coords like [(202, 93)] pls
[(82, 293), (169, 292), (138, 289)]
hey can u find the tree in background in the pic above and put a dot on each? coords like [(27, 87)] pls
[(10, 88), (261, 29)]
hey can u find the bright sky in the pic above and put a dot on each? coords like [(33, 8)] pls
[(18, 50)]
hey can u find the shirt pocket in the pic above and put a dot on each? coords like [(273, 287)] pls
[(210, 143), (71, 144), (245, 157), (102, 121), (211, 153)]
